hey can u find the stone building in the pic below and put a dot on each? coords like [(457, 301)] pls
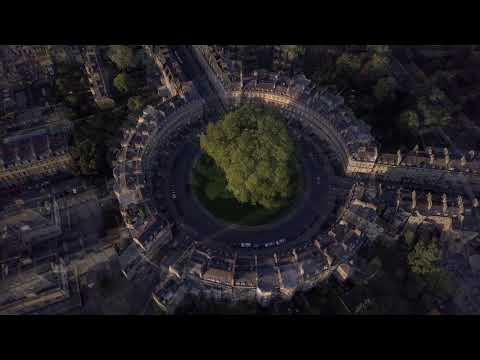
[(35, 152), (23, 65), (99, 85), (168, 295), (388, 192), (168, 64), (229, 276), (45, 288)]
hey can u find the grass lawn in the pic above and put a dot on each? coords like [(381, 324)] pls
[(231, 210)]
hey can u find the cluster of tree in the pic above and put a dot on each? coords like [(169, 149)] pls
[(396, 114), (271, 57), (95, 134), (450, 84), (424, 262), (355, 70), (253, 149), (126, 85), (93, 139), (403, 277), (71, 87), (84, 158), (288, 57), (424, 258), (429, 110), (129, 75), (292, 52)]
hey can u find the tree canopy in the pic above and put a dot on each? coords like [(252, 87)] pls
[(293, 51), (377, 66), (424, 258), (348, 64), (384, 90), (122, 82), (379, 49), (121, 56), (84, 158), (253, 148), (135, 103), (409, 120), (434, 114), (424, 262)]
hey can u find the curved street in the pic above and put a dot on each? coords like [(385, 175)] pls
[(310, 208)]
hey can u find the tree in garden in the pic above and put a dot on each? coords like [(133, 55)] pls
[(377, 66), (437, 96), (384, 90), (253, 149), (348, 64), (437, 115), (84, 158), (122, 82), (61, 85), (135, 103), (424, 262), (121, 56), (424, 258), (379, 49), (409, 120), (72, 100), (292, 52)]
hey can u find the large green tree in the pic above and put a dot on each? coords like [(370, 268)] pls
[(253, 148)]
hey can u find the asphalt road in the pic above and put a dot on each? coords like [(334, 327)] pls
[(195, 73), (310, 207)]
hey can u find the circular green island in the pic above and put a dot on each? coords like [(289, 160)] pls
[(247, 172)]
